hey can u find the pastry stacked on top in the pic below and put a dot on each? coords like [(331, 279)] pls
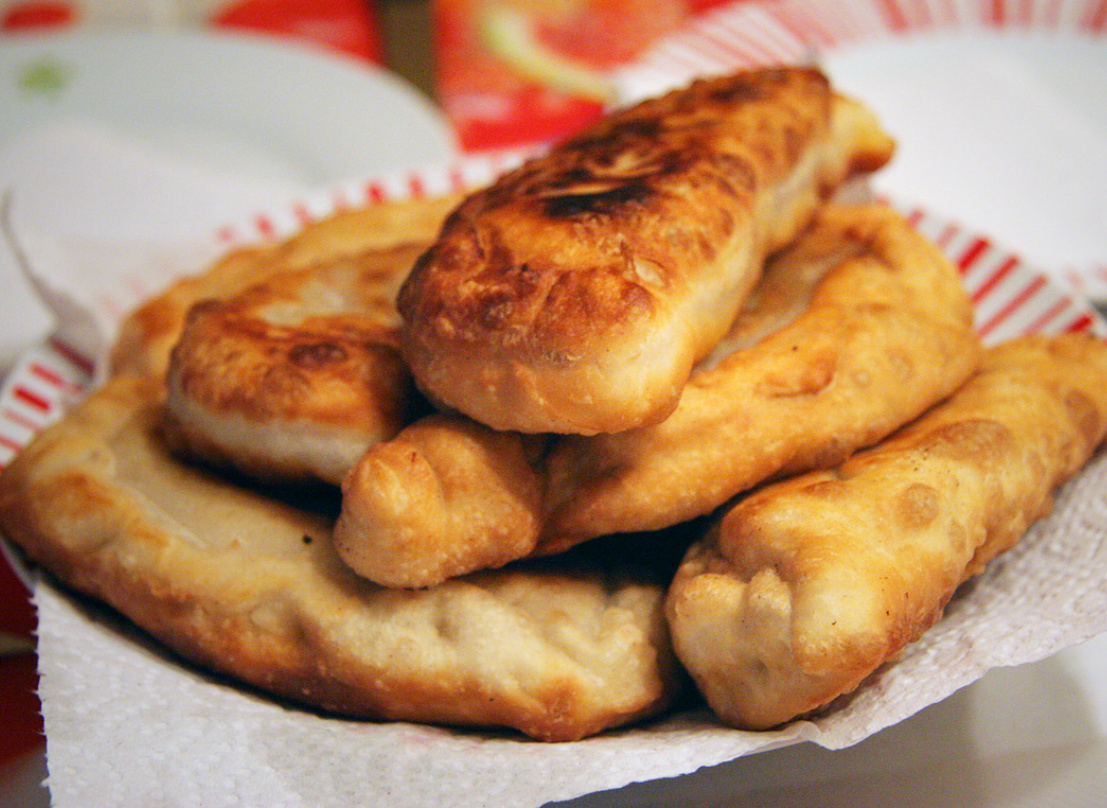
[(527, 392), (576, 293)]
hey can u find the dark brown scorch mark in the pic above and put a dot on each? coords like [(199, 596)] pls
[(604, 203)]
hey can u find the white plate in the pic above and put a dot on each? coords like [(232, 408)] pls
[(120, 132), (234, 102), (999, 106), (1004, 129)]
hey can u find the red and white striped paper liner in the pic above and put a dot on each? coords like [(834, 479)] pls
[(751, 33), (1011, 298), (461, 174), (44, 383)]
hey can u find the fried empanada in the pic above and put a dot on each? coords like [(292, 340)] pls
[(575, 294), (803, 589), (148, 334), (289, 365)]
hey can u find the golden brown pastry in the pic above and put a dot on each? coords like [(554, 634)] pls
[(805, 587), (575, 294), (293, 378), (855, 330), (251, 586), (290, 366)]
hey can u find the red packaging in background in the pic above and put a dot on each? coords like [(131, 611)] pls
[(347, 26), (514, 72)]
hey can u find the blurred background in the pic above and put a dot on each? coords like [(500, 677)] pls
[(504, 71)]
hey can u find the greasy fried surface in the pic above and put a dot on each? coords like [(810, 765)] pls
[(808, 585), (289, 367), (294, 377), (855, 330), (575, 294), (886, 332), (252, 586), (147, 336), (445, 497)]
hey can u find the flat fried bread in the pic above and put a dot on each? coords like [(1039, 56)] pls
[(854, 330), (801, 590), (250, 585), (575, 294)]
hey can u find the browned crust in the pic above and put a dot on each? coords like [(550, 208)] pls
[(305, 365), (575, 293), (289, 366), (251, 586), (803, 589), (147, 335)]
